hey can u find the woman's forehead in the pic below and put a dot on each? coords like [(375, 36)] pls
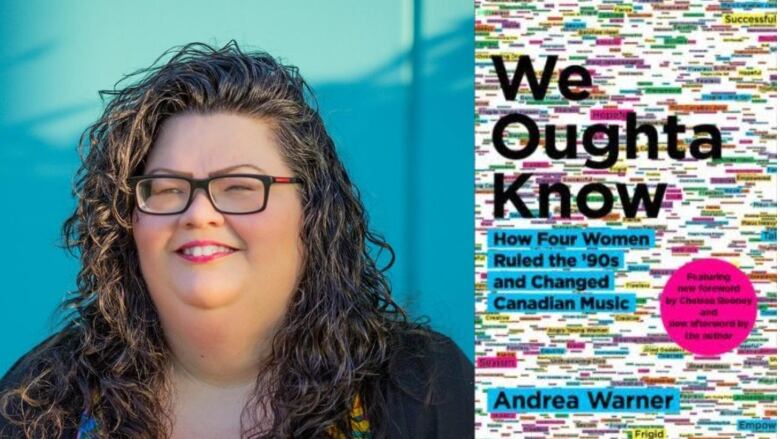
[(207, 143)]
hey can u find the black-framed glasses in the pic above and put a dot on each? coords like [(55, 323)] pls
[(236, 194)]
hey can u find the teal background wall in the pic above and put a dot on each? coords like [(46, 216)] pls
[(395, 85)]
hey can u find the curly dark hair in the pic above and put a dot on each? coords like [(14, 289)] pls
[(110, 359)]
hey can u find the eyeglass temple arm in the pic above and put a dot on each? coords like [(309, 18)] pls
[(286, 180)]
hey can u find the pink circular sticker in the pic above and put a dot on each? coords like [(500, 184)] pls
[(708, 306)]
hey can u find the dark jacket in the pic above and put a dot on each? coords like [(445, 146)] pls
[(430, 393)]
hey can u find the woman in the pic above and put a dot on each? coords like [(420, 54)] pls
[(228, 288)]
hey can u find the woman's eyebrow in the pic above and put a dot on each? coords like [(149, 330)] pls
[(217, 172)]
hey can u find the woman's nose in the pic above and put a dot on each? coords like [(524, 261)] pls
[(201, 212)]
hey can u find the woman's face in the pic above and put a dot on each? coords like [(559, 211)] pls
[(258, 277)]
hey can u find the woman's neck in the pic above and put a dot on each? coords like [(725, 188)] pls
[(212, 351), (207, 407)]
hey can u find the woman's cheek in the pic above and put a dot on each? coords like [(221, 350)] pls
[(274, 255)]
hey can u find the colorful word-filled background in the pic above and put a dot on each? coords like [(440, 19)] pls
[(538, 336)]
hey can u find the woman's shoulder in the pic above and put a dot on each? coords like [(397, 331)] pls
[(431, 389), (30, 360), (28, 365), (420, 352)]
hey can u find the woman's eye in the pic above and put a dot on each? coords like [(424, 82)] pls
[(239, 188), (171, 190)]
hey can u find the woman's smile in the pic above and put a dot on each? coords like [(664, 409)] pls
[(204, 251), (207, 256)]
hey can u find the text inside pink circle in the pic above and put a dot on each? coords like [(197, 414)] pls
[(708, 307)]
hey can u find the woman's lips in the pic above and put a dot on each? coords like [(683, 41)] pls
[(205, 258)]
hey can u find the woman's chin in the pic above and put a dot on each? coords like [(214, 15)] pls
[(208, 297)]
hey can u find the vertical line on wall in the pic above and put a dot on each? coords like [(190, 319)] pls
[(413, 31)]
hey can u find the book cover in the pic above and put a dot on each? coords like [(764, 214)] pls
[(625, 224)]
